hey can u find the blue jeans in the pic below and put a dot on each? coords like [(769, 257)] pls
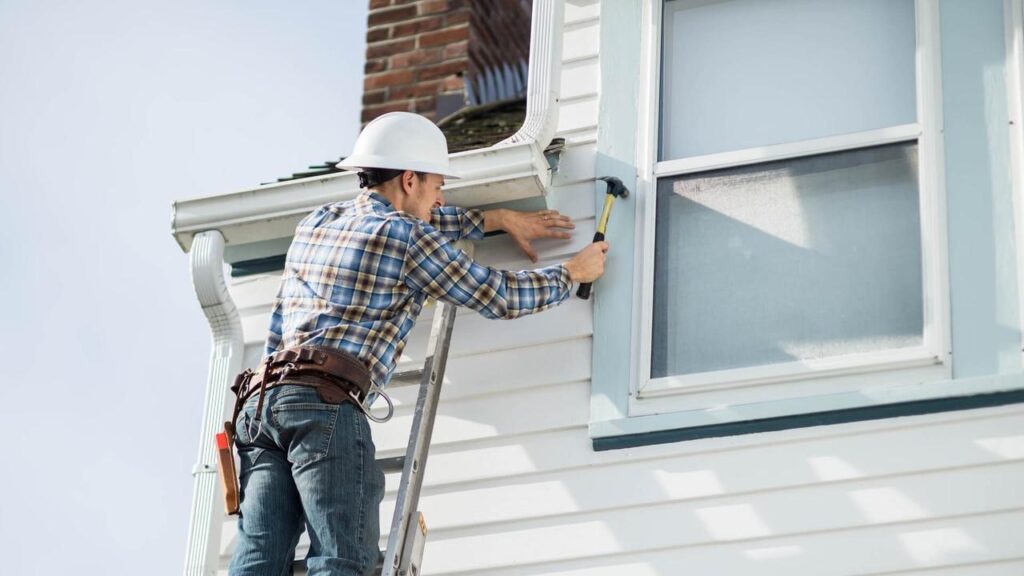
[(311, 465)]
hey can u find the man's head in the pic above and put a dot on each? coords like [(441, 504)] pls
[(414, 192), (405, 157)]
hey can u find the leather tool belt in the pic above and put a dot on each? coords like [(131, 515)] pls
[(336, 375)]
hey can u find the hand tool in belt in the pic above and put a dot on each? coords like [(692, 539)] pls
[(616, 189), (337, 376)]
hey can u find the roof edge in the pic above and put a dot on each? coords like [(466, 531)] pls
[(490, 176)]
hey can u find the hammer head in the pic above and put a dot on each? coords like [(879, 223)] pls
[(615, 187)]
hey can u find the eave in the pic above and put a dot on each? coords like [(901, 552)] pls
[(499, 174)]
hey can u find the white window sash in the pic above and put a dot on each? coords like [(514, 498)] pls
[(935, 350), (776, 152)]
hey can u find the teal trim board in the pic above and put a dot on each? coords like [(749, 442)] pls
[(616, 156), (979, 194), (257, 266)]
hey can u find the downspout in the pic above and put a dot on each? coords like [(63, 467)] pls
[(206, 259), (544, 76)]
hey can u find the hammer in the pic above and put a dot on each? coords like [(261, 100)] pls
[(615, 189)]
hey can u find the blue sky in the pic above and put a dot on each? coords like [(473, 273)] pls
[(109, 111)]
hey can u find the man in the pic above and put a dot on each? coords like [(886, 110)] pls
[(356, 276)]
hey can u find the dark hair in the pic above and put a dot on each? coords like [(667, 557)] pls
[(371, 177)]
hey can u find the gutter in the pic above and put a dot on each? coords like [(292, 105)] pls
[(206, 259), (514, 169)]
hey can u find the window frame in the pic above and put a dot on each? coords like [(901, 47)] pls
[(1013, 16), (929, 362)]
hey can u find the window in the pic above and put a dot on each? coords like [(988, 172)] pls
[(790, 218)]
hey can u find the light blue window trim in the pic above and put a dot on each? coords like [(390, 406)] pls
[(982, 261), (620, 38), (982, 255)]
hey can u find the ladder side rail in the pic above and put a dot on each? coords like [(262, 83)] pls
[(419, 440)]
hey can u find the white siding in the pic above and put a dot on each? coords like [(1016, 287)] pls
[(577, 118), (513, 486)]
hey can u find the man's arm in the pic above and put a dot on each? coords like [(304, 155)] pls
[(457, 223), (435, 267)]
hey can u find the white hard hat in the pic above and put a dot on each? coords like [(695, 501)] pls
[(400, 141)]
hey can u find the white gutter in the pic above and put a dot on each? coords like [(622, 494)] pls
[(544, 80), (206, 258), (513, 169)]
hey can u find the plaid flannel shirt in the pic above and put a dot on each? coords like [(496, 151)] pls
[(357, 274)]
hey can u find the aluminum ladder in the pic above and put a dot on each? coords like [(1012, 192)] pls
[(408, 529)]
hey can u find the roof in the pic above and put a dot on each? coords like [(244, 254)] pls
[(483, 126), (467, 129)]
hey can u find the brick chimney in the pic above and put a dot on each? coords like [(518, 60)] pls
[(420, 54)]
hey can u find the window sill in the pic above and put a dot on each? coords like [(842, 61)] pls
[(865, 404), (851, 364)]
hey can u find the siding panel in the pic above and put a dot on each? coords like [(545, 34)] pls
[(580, 40), (579, 78), (577, 11), (876, 550)]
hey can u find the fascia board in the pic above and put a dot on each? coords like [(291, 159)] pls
[(502, 173)]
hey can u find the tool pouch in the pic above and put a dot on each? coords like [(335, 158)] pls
[(226, 465)]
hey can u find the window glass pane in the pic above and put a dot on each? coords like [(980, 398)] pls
[(745, 73), (785, 261)]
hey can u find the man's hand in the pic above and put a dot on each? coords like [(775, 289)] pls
[(524, 227), (588, 264)]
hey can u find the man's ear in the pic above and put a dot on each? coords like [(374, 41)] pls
[(407, 181)]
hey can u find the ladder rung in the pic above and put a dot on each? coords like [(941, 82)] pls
[(393, 464), (406, 377)]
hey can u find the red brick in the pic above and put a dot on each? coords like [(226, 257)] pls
[(412, 91), (417, 58), (374, 4), (371, 112), (393, 78), (444, 69), (455, 50), (416, 26), (390, 48), (432, 6), (396, 93), (372, 66), (375, 97), (378, 34), (441, 37), (421, 89), (390, 15), (457, 17)]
